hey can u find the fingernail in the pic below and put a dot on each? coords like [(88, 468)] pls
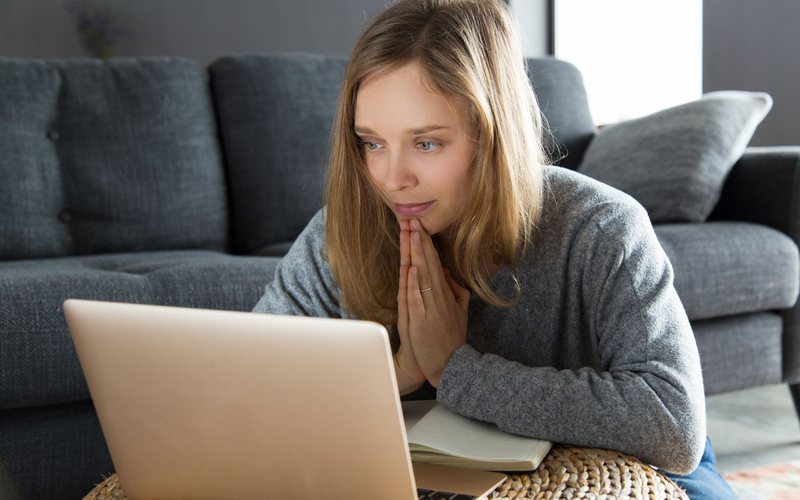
[(415, 236), (415, 224)]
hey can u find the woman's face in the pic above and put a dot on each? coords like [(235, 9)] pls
[(416, 145)]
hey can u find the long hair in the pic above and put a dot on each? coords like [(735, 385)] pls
[(467, 50)]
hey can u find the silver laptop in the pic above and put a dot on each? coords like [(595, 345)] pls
[(214, 404)]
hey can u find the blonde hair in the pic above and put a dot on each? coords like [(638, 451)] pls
[(467, 50)]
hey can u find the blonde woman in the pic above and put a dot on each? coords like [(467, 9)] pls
[(519, 294)]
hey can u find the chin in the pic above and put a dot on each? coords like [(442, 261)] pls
[(432, 227), (430, 224)]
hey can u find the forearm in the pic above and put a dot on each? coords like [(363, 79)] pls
[(303, 284), (659, 420)]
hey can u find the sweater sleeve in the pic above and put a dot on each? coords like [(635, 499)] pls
[(646, 396), (303, 284)]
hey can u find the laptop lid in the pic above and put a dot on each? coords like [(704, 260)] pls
[(216, 404)]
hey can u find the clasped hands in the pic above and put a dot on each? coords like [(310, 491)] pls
[(431, 311)]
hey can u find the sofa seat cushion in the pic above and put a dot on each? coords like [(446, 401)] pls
[(738, 352), (38, 364), (729, 268)]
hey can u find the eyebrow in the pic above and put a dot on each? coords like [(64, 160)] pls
[(416, 131)]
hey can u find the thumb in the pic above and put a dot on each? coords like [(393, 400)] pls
[(462, 294)]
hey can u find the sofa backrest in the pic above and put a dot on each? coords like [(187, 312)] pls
[(559, 89), (108, 157), (275, 115)]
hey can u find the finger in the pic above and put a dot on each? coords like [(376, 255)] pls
[(402, 305), (434, 263), (418, 260), (451, 282), (416, 307), (405, 247), (462, 294), (424, 256)]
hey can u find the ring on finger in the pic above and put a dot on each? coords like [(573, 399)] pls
[(423, 290)]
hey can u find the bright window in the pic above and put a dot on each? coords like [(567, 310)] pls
[(636, 56)]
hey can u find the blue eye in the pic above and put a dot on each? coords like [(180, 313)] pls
[(370, 146), (428, 146)]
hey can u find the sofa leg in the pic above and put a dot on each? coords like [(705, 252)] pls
[(795, 390)]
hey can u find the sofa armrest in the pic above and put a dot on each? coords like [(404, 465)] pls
[(764, 188)]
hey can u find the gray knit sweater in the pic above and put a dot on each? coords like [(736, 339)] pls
[(597, 352)]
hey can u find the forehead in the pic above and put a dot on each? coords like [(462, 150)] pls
[(400, 99)]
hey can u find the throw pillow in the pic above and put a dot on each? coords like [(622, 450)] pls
[(674, 162)]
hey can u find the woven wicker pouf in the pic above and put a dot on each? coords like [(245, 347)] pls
[(592, 473), (567, 472)]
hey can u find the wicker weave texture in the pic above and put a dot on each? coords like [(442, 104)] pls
[(107, 490), (591, 473), (566, 473)]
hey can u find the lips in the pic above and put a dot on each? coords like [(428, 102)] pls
[(412, 209)]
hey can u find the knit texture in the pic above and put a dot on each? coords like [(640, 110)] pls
[(597, 351)]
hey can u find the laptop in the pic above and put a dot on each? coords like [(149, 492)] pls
[(215, 404)]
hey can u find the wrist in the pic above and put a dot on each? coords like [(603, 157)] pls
[(436, 379), (408, 381)]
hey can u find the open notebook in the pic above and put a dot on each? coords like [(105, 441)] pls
[(443, 437)]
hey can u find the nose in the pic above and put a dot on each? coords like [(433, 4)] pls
[(397, 172)]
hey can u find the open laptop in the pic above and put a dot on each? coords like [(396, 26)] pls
[(214, 404)]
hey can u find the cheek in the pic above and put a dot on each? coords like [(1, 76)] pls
[(460, 174), (376, 177), (463, 184), (464, 193), (452, 179), (372, 171)]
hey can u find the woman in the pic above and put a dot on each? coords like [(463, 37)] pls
[(527, 296)]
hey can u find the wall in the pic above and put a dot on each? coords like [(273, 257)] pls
[(747, 45), (756, 46), (200, 29), (533, 22), (206, 29)]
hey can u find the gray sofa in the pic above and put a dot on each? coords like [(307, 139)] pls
[(159, 181)]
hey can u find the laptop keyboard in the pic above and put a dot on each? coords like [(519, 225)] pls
[(424, 494)]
